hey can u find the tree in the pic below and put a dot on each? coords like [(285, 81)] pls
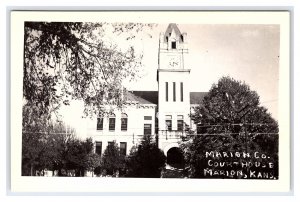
[(92, 162), (33, 140), (146, 160), (78, 155), (231, 119), (64, 61), (112, 161), (45, 143), (72, 60), (230, 106), (59, 140)]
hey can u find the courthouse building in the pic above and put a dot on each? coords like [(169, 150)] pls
[(164, 114)]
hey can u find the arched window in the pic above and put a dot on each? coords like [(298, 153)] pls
[(100, 123), (124, 122), (98, 148), (112, 122)]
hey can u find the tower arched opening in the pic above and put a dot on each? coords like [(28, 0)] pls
[(175, 157)]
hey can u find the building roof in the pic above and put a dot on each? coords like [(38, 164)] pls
[(151, 97), (172, 26), (133, 97), (197, 97)]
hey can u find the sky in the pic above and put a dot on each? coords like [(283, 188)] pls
[(249, 53)]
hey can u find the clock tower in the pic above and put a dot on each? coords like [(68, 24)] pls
[(173, 82)]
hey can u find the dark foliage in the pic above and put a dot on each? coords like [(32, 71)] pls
[(146, 160), (112, 161), (230, 119), (71, 60), (48, 145)]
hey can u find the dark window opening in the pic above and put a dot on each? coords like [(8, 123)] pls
[(123, 147), (173, 44), (181, 91), (180, 125), (124, 122), (167, 93), (99, 123), (112, 122), (168, 122), (98, 148), (169, 125), (147, 117), (174, 91), (147, 129)]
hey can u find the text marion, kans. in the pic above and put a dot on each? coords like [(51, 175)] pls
[(244, 165)]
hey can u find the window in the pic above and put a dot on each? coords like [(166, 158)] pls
[(123, 147), (147, 129), (181, 91), (124, 121), (147, 117), (98, 148), (180, 122), (112, 122), (167, 93), (173, 44), (174, 91), (168, 122), (99, 123)]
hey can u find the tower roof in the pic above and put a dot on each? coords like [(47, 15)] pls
[(171, 27)]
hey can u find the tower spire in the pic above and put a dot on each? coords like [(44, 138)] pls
[(173, 31)]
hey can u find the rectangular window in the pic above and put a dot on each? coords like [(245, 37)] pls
[(112, 124), (180, 125), (180, 122), (168, 122), (124, 124), (173, 44), (147, 129), (181, 91), (169, 125), (167, 93), (174, 91), (147, 117), (98, 148), (99, 123), (123, 147)]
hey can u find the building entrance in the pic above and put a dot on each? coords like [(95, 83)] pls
[(175, 157)]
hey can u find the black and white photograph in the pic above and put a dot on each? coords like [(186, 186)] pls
[(113, 99)]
